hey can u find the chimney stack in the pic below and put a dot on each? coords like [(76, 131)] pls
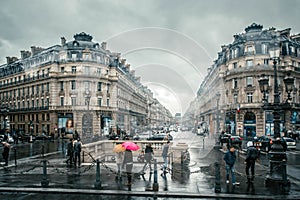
[(63, 41), (103, 45)]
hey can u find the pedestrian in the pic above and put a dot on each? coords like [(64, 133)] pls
[(165, 150), (252, 155), (70, 152), (229, 158), (5, 153), (119, 161), (148, 157), (77, 151), (128, 163)]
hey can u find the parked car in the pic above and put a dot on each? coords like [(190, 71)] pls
[(10, 139), (136, 137), (113, 137), (290, 143), (235, 140), (263, 143), (1, 138), (43, 136), (224, 138), (159, 137)]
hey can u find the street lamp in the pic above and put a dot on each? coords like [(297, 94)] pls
[(218, 120), (277, 177)]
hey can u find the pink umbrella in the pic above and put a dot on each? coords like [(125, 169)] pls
[(130, 146)]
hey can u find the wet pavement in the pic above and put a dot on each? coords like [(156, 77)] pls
[(194, 181)]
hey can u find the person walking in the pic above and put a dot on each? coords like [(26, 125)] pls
[(165, 151), (119, 161), (148, 157), (128, 162), (5, 153), (77, 151), (230, 158), (251, 156), (70, 152)]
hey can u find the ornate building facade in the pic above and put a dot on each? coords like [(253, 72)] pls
[(75, 86), (230, 98)]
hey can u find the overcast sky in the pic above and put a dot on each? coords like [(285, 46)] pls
[(168, 43)]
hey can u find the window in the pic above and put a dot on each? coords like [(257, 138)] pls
[(32, 89), (264, 49), (235, 65), (73, 69), (32, 103), (99, 101), (235, 53), (86, 56), (87, 70), (235, 98), (249, 81), (47, 102), (250, 49), (43, 102), (249, 97), (62, 69), (62, 101), (99, 71), (43, 88), (61, 86), (73, 101), (249, 63), (266, 61), (37, 103), (37, 89), (107, 102), (107, 88), (74, 56), (234, 83), (48, 87), (87, 85), (99, 88), (73, 85)]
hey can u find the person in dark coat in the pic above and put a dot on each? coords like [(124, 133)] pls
[(70, 152), (5, 153), (77, 151), (148, 157), (128, 163), (252, 155), (229, 158)]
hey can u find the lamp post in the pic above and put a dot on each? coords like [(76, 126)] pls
[(277, 177), (218, 121)]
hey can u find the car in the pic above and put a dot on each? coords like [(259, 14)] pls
[(136, 137), (224, 138), (10, 139), (290, 143), (1, 138), (43, 136), (235, 140), (263, 143), (160, 137), (113, 137)]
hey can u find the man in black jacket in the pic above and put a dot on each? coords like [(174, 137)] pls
[(252, 155)]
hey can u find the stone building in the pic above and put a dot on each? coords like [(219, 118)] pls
[(230, 98), (77, 86)]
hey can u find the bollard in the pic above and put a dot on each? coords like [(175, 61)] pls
[(43, 150), (15, 154), (218, 178), (98, 176), (82, 156), (155, 183), (45, 181)]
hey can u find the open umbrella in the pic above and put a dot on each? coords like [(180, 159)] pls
[(130, 146), (119, 148)]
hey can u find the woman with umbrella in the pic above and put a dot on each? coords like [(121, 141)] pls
[(119, 149), (128, 159)]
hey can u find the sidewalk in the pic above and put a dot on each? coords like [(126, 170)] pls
[(197, 179)]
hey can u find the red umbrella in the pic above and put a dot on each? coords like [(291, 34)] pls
[(130, 146)]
